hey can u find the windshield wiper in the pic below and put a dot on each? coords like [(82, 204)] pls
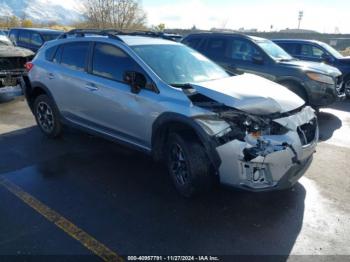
[(285, 59), (183, 86)]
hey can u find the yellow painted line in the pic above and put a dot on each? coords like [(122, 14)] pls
[(72, 230)]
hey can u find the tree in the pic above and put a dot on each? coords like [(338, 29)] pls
[(13, 21), (159, 28), (118, 14), (27, 23)]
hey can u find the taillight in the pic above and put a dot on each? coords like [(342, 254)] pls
[(29, 66)]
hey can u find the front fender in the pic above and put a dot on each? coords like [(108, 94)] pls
[(168, 120)]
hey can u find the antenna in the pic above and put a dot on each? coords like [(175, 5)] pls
[(300, 17)]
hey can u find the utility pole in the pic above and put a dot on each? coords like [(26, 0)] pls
[(300, 17)]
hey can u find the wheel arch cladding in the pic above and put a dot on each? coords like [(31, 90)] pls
[(169, 122), (34, 90), (294, 81)]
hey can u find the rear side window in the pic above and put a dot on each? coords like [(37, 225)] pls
[(291, 48), (24, 37), (111, 62), (216, 45), (74, 55), (192, 42), (49, 37), (36, 40)]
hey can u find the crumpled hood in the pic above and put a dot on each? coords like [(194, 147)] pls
[(321, 68), (250, 93), (12, 51)]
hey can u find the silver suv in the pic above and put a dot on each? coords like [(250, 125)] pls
[(169, 101)]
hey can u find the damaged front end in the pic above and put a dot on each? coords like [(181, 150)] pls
[(12, 69), (260, 152)]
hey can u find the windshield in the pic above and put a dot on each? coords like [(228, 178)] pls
[(331, 50), (273, 50), (49, 37), (178, 64)]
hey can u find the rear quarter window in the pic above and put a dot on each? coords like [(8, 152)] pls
[(50, 53)]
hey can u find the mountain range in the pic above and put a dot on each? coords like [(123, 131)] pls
[(62, 12)]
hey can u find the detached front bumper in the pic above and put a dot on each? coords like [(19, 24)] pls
[(286, 159), (13, 91)]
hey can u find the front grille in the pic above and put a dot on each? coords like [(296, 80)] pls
[(307, 132)]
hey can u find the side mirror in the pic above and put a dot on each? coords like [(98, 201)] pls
[(258, 59), (136, 80), (327, 58)]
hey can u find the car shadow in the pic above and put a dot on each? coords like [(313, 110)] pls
[(328, 124), (342, 106), (128, 202)]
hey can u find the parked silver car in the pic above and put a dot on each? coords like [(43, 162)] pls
[(168, 100)]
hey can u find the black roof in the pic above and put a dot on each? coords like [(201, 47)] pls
[(241, 35), (40, 30), (295, 41)]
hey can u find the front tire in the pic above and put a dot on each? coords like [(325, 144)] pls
[(47, 116), (347, 86), (189, 166)]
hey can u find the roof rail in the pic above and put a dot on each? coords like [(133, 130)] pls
[(114, 34), (83, 32)]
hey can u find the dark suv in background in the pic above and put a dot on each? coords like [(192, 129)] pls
[(311, 50), (318, 84), (32, 38)]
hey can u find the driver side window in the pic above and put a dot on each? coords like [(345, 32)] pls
[(243, 50), (311, 51), (110, 62)]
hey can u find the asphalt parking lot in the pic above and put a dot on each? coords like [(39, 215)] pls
[(123, 200)]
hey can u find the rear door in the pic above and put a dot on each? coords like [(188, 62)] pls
[(217, 48), (66, 79)]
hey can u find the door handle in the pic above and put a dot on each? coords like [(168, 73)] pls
[(50, 75), (91, 87)]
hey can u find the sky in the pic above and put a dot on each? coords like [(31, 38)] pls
[(325, 16)]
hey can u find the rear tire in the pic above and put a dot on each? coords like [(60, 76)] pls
[(297, 89), (189, 166), (47, 116)]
